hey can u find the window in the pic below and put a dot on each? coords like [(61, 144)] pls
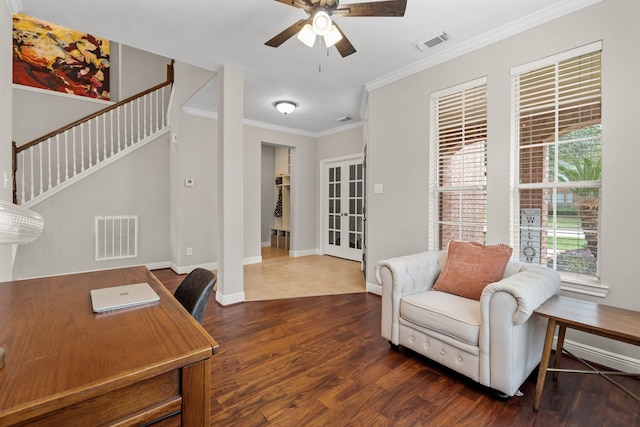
[(558, 146), (458, 181)]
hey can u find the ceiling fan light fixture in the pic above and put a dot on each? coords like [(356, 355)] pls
[(307, 35), (285, 107), (322, 23), (333, 36)]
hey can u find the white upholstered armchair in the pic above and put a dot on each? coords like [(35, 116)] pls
[(494, 341)]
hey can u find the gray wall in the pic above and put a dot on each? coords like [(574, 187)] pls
[(134, 185), (398, 130), (139, 70), (194, 156), (340, 144), (6, 64)]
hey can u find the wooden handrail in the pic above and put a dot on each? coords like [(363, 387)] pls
[(36, 141)]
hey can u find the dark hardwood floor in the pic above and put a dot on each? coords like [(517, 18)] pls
[(320, 361)]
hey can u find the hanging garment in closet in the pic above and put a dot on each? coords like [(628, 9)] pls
[(278, 210)]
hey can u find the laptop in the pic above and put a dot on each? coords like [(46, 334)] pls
[(107, 299)]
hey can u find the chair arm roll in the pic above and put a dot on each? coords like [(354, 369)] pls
[(411, 273), (531, 287)]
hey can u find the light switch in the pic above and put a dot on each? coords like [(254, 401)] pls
[(377, 188)]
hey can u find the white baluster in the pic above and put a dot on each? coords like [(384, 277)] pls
[(98, 141), (138, 111), (32, 177), (40, 170), (73, 150), (131, 141), (104, 135), (81, 146), (89, 145), (58, 161), (158, 109), (114, 149), (144, 114), (164, 112), (118, 127), (66, 158), (125, 133), (22, 174), (50, 184)]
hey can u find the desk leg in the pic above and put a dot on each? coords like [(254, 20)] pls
[(196, 394), (561, 331), (544, 363)]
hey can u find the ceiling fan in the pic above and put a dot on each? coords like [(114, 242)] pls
[(319, 22)]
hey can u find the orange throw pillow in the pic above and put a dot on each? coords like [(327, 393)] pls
[(471, 266)]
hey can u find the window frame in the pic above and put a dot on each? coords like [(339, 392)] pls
[(434, 143), (574, 282)]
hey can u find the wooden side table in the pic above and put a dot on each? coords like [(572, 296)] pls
[(610, 322)]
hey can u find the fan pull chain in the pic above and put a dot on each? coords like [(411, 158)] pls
[(320, 55)]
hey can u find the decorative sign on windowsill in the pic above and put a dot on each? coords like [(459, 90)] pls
[(530, 236)]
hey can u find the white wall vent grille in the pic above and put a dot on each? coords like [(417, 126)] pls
[(116, 237)]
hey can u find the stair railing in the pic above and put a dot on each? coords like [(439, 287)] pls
[(65, 155)]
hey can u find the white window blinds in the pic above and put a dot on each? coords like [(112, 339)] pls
[(557, 124), (458, 180)]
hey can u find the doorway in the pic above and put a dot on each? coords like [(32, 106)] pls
[(343, 208), (276, 199)]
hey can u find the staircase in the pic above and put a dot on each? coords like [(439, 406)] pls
[(56, 160)]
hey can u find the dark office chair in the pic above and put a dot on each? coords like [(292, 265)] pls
[(194, 291)]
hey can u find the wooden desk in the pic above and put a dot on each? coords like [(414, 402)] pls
[(610, 322), (66, 365)]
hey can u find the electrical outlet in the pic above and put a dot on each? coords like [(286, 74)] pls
[(189, 251)]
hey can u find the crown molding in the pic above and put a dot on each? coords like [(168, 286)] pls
[(200, 112), (339, 129), (262, 125), (530, 21), (277, 128), (14, 6)]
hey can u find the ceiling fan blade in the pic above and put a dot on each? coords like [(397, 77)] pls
[(288, 33), (344, 46), (295, 3), (378, 8)]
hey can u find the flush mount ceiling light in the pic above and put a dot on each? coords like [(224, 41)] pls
[(285, 107)]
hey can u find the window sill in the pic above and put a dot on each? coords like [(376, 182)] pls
[(583, 285)]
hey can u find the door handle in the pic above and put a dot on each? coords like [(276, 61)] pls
[(345, 213)]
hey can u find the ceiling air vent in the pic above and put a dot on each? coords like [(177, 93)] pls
[(434, 40), (343, 119)]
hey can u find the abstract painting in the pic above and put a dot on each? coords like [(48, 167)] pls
[(49, 56)]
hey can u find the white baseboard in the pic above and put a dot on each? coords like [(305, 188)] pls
[(374, 289), (229, 299), (602, 357), (305, 252), (158, 265), (252, 260), (186, 269)]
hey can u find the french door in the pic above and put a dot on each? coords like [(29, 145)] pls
[(344, 209)]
